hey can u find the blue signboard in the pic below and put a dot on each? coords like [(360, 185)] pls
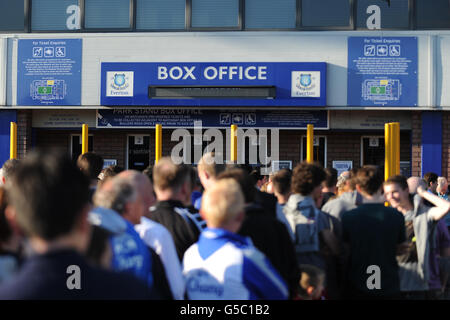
[(218, 84), (185, 118), (49, 72), (382, 71)]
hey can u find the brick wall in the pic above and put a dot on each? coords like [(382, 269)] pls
[(416, 144), (112, 144), (344, 146)]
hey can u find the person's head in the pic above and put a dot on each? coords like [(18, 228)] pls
[(329, 185), (307, 179), (143, 186), (121, 195), (91, 164), (346, 181), (209, 168), (312, 280), (244, 181), (223, 205), (369, 180), (396, 192), (171, 181), (149, 172), (258, 179), (431, 180), (281, 182), (8, 169), (50, 199), (109, 172), (442, 185)]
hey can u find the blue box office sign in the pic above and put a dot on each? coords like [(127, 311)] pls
[(213, 84), (49, 72), (184, 118), (382, 71)]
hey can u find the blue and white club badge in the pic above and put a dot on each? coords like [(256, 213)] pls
[(305, 84), (119, 83)]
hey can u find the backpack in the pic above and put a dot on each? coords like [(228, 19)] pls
[(303, 216)]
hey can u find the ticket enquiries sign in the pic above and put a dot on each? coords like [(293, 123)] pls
[(49, 72), (382, 71), (293, 84)]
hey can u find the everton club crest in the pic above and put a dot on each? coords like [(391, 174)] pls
[(305, 84)]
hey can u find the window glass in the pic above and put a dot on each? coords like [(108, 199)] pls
[(378, 14), (112, 14), (160, 14), (55, 15), (215, 13), (433, 14), (325, 13), (12, 19), (280, 14)]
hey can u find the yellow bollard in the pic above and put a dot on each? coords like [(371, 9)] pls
[(396, 146), (84, 139), (387, 151), (158, 142), (310, 143), (233, 156), (13, 141)]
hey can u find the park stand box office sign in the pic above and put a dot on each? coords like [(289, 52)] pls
[(213, 84), (49, 72)]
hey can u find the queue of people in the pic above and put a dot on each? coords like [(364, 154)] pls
[(219, 232)]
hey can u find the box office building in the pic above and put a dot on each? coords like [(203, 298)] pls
[(347, 67)]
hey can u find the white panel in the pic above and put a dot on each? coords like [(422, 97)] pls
[(443, 71), (217, 47), (273, 46), (3, 69)]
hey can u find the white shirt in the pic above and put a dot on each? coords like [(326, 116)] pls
[(157, 237)]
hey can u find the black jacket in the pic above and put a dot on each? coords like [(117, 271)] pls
[(183, 225), (271, 237)]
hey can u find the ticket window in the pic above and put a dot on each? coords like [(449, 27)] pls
[(372, 151), (138, 152), (319, 150), (76, 144)]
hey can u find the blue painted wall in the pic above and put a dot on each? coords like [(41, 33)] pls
[(432, 142)]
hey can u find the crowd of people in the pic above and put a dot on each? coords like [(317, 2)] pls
[(76, 230)]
